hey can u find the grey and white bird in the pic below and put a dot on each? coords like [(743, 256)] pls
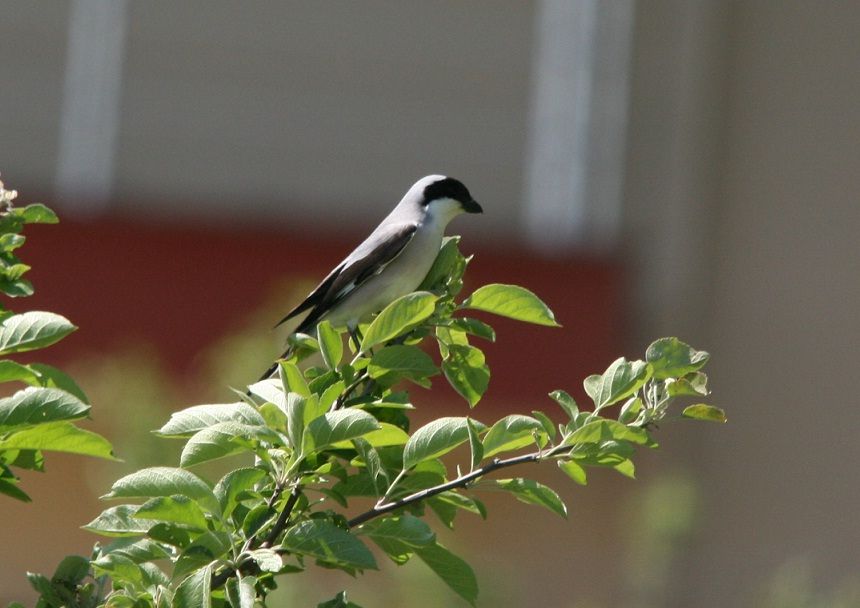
[(389, 263)]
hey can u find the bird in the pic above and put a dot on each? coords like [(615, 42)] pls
[(389, 263)]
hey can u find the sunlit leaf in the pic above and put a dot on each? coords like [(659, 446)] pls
[(511, 301)]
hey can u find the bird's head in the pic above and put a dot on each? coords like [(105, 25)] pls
[(445, 196)]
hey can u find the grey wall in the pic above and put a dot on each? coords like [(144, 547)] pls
[(286, 109), (743, 192)]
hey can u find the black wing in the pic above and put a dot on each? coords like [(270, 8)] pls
[(350, 274)]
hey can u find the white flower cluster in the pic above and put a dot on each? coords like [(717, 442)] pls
[(6, 196)]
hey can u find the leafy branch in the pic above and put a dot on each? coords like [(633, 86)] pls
[(334, 427), (40, 417)]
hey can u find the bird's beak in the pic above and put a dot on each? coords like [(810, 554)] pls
[(472, 207)]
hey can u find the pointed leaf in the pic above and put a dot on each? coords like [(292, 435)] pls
[(321, 539), (401, 361), (339, 425), (292, 379), (671, 358), (51, 377), (164, 481), (435, 439), (233, 484), (185, 423), (398, 317), (604, 430), (566, 402), (467, 372), (621, 379), (32, 330), (119, 521), (456, 573), (38, 405), (175, 509), (532, 492), (59, 437), (510, 433), (573, 470), (475, 445), (700, 411), (223, 439), (331, 344), (195, 591), (511, 301)]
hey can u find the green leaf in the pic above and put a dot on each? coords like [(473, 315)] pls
[(475, 445), (604, 430), (267, 559), (548, 425), (700, 411), (242, 593), (223, 439), (292, 379), (120, 569), (447, 268), (460, 501), (185, 423), (435, 439), (532, 492), (51, 377), (372, 464), (331, 344), (566, 402), (397, 536), (397, 318), (510, 433), (10, 242), (467, 372), (204, 549), (10, 371), (671, 358), (59, 437), (573, 470), (195, 591), (72, 569), (511, 301), (32, 406), (137, 550), (387, 435), (401, 361), (164, 481), (630, 410), (693, 385), (9, 487), (231, 487), (175, 509), (620, 380), (32, 330), (328, 543), (294, 408), (37, 213), (406, 529), (474, 327), (456, 573), (119, 521), (339, 425)]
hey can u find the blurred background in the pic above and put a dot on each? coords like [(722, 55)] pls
[(650, 168)]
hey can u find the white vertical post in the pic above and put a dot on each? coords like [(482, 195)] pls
[(91, 103), (575, 162)]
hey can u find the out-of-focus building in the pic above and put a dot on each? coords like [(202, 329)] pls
[(651, 168)]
